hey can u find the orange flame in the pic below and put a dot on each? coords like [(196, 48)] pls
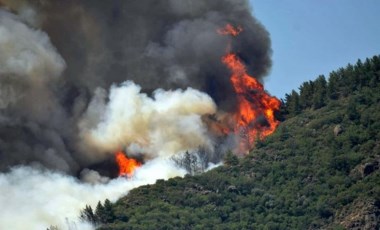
[(127, 166), (230, 30), (255, 115)]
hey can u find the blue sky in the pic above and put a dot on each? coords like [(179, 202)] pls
[(313, 37)]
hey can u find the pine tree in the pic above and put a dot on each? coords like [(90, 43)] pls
[(352, 111), (333, 86), (109, 215), (231, 159), (100, 213), (292, 103), (320, 92), (350, 78), (306, 94), (87, 214)]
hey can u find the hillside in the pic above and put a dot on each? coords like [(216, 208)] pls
[(319, 170)]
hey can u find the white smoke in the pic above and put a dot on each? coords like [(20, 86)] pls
[(36, 199), (162, 125)]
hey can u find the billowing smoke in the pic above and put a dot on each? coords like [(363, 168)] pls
[(31, 117), (33, 198), (80, 80), (156, 44), (167, 123)]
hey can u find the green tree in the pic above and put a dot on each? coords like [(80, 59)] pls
[(333, 86), (320, 92), (109, 215), (87, 214), (100, 213), (306, 94), (293, 103), (231, 159), (352, 111)]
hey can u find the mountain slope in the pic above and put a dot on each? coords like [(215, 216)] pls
[(319, 170)]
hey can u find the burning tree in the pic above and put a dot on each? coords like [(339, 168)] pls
[(255, 115)]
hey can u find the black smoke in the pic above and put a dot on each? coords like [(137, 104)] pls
[(165, 44)]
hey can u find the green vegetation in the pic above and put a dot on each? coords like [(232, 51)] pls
[(320, 169)]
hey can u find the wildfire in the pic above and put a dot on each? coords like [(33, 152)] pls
[(127, 166), (255, 115)]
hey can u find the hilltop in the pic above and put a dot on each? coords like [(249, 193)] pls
[(319, 170)]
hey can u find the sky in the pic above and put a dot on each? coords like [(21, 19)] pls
[(314, 37)]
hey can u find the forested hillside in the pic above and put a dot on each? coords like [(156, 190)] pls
[(319, 170)]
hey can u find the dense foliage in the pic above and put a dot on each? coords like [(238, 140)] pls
[(321, 162)]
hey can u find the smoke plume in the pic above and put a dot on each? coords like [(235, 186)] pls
[(80, 80), (169, 122), (46, 90)]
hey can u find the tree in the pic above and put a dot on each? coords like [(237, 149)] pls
[(352, 112), (280, 115), (333, 86), (100, 213), (194, 163), (87, 214), (203, 159), (109, 215), (306, 94), (292, 103), (320, 92), (231, 159), (350, 79)]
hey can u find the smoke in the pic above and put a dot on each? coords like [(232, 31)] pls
[(159, 126), (47, 92), (82, 79), (29, 110), (165, 44), (35, 198)]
